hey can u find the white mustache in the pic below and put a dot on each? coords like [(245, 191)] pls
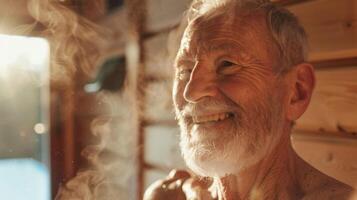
[(209, 106)]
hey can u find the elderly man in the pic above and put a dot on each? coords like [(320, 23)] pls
[(241, 81)]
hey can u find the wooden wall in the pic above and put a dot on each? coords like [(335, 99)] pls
[(326, 135), (161, 133)]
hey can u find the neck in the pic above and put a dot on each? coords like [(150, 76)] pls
[(272, 178)]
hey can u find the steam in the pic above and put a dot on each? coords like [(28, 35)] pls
[(75, 44), (111, 159), (73, 39)]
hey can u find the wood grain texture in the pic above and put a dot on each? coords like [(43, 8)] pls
[(334, 156), (159, 102), (94, 9), (157, 63), (162, 14), (162, 147), (333, 107), (331, 26)]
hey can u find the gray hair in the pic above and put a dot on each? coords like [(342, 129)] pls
[(286, 31)]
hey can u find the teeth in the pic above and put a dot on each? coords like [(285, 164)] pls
[(210, 118)]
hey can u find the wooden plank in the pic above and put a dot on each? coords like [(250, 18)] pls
[(159, 102), (332, 30), (93, 9), (136, 16), (157, 63), (56, 144), (334, 156), (15, 18), (162, 14), (162, 147), (14, 9), (333, 107), (116, 26), (333, 63)]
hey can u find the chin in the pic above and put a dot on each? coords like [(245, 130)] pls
[(224, 154), (232, 145)]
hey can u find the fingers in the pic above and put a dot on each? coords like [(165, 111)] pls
[(198, 189), (176, 175), (179, 185), (179, 174), (168, 188)]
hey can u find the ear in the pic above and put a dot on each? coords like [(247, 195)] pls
[(302, 85)]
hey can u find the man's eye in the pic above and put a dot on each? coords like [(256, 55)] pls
[(226, 63), (226, 67), (184, 74)]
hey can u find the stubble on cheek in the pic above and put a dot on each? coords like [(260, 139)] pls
[(243, 139)]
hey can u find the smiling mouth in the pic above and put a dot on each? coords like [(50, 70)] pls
[(211, 118)]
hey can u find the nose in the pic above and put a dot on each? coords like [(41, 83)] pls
[(202, 84)]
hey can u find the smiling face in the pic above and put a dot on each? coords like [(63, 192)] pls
[(227, 96)]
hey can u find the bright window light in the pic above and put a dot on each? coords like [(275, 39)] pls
[(24, 179), (24, 110), (32, 50)]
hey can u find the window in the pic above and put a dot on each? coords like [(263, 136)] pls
[(24, 101)]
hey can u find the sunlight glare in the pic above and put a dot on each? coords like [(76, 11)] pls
[(31, 51)]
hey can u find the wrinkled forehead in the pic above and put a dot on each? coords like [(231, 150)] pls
[(249, 32)]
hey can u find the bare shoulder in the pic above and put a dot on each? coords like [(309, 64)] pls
[(331, 191), (317, 185)]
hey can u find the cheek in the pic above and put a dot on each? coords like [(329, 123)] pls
[(242, 91), (177, 93), (281, 97)]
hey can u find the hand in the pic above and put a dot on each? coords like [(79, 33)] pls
[(198, 189), (179, 185)]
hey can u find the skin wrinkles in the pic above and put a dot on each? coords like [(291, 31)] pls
[(252, 101), (249, 78), (249, 68), (234, 68), (251, 72), (224, 37), (244, 31), (271, 185)]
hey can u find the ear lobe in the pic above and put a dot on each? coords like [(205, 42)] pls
[(303, 83)]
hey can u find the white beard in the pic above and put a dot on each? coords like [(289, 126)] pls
[(210, 158), (211, 152)]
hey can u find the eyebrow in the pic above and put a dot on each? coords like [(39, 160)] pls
[(233, 47), (227, 46)]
